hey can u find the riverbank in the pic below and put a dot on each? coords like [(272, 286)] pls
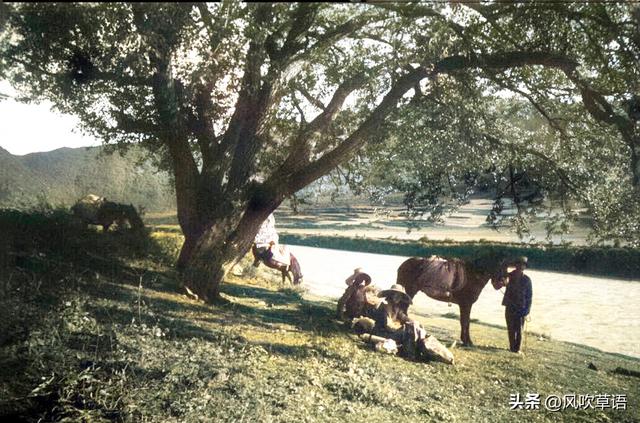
[(463, 235), (594, 311), (587, 260)]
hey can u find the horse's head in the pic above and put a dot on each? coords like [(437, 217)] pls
[(500, 275), (133, 217)]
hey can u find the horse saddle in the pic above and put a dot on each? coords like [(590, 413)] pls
[(281, 254), (442, 277)]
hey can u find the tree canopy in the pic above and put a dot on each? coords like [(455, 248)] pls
[(248, 103)]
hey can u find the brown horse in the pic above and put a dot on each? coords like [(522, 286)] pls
[(95, 210), (453, 281), (293, 268)]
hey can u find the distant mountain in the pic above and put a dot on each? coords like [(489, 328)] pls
[(61, 177)]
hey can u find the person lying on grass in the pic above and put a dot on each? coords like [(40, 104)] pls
[(392, 323)]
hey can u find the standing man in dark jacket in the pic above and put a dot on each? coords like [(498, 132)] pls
[(517, 300)]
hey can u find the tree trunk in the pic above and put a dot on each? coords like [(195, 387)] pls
[(190, 241), (207, 259)]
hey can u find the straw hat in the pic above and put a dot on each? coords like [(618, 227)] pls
[(362, 277), (398, 290)]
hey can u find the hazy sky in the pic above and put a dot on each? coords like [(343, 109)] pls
[(27, 128)]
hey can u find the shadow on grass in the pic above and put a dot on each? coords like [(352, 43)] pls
[(120, 305)]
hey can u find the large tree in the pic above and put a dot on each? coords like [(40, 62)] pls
[(249, 103)]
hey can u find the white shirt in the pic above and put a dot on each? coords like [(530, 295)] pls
[(267, 232)]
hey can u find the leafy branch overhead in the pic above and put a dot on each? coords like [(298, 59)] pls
[(248, 103)]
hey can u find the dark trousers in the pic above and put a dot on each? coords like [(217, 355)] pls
[(514, 327)]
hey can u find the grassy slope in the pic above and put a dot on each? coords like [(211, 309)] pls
[(112, 338)]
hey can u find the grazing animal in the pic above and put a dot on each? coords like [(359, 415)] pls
[(453, 280), (287, 269), (96, 210)]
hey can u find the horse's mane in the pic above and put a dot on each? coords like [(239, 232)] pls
[(488, 259)]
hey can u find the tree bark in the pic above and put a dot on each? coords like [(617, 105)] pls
[(209, 258), (208, 261)]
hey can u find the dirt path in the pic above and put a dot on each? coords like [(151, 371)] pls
[(599, 312)]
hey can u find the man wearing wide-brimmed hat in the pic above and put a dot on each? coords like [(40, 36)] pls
[(393, 323), (517, 300), (353, 302), (391, 314)]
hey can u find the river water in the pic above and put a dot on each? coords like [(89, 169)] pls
[(599, 312)]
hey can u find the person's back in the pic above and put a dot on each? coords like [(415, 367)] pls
[(267, 233)]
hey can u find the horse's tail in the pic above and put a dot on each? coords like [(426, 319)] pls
[(295, 269)]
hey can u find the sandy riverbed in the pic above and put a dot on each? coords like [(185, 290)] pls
[(468, 223), (599, 312)]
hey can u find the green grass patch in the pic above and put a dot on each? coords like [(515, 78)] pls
[(114, 339)]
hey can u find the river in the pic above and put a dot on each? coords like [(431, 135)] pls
[(599, 312)]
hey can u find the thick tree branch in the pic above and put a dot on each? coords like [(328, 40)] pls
[(452, 64), (185, 169), (601, 110), (240, 139), (300, 148), (311, 99), (505, 60), (259, 96), (304, 16), (330, 37), (598, 106), (201, 125), (340, 153)]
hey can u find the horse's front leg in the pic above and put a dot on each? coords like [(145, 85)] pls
[(256, 259), (465, 318), (287, 273)]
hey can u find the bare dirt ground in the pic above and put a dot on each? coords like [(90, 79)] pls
[(598, 312)]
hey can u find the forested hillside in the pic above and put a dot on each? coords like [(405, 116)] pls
[(62, 176)]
